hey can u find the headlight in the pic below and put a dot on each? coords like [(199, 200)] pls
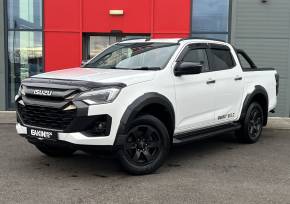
[(99, 96)]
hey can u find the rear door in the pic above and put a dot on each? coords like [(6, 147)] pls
[(229, 84), (194, 93)]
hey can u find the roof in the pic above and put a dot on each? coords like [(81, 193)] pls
[(172, 40)]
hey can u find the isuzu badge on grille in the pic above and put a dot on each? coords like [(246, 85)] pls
[(42, 92)]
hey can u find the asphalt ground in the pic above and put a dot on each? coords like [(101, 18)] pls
[(217, 170)]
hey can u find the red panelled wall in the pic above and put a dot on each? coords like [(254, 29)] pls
[(136, 18), (171, 18), (62, 37), (66, 20)]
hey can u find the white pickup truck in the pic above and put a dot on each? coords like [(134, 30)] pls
[(139, 97)]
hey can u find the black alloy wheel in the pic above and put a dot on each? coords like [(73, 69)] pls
[(145, 145), (255, 123), (252, 124)]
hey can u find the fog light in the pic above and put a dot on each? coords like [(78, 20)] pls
[(100, 127)]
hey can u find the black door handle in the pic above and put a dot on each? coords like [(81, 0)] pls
[(238, 78), (210, 82)]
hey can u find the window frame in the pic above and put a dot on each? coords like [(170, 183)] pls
[(24, 29), (194, 46), (221, 47)]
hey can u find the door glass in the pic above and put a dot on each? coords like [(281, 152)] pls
[(24, 58), (197, 56), (221, 59)]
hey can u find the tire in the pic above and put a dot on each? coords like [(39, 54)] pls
[(55, 151), (252, 125), (145, 147)]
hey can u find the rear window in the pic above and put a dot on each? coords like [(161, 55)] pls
[(221, 58)]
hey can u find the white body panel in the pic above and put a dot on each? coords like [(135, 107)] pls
[(196, 104)]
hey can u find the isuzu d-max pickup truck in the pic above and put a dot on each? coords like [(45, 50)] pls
[(139, 97)]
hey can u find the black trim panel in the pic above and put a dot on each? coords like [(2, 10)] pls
[(258, 90), (189, 47), (133, 110), (258, 69), (72, 84), (83, 124), (204, 133), (247, 58)]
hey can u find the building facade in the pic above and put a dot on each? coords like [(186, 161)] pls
[(45, 35)]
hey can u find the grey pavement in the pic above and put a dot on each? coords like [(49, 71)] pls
[(217, 170), (7, 117)]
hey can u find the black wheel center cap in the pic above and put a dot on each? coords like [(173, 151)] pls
[(141, 145)]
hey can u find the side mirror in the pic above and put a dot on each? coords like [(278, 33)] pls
[(187, 68)]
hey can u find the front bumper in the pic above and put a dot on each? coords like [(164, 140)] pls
[(72, 120), (82, 137), (77, 138)]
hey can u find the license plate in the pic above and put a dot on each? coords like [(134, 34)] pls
[(42, 134)]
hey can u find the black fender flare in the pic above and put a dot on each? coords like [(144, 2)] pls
[(258, 90), (134, 108)]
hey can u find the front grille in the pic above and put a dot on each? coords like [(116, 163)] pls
[(45, 117)]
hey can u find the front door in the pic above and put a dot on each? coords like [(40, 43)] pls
[(194, 93)]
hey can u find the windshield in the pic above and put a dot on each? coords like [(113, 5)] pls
[(142, 56)]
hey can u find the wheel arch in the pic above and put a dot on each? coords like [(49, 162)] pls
[(259, 95), (149, 103)]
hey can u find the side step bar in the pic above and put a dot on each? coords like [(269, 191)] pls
[(204, 133)]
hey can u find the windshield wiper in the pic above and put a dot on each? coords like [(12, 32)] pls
[(146, 68)]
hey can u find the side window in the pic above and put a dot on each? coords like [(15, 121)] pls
[(220, 58), (198, 56)]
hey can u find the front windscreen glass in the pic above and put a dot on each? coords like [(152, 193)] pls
[(142, 56)]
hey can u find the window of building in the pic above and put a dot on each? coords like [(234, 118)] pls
[(24, 14), (93, 44), (210, 19), (24, 43)]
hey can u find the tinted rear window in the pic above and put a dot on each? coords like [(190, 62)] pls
[(221, 58)]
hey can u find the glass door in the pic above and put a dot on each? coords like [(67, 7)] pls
[(24, 43)]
